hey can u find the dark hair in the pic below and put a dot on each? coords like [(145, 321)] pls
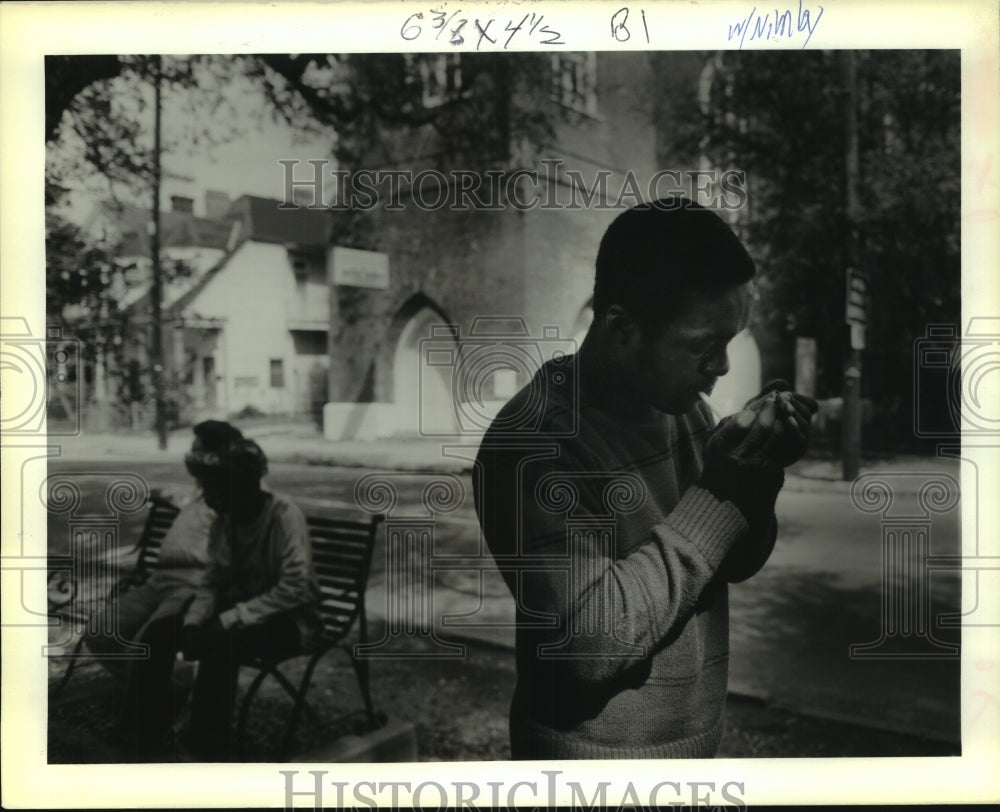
[(217, 435), (246, 459), (656, 254), (242, 459)]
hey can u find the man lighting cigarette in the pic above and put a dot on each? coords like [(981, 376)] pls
[(622, 612)]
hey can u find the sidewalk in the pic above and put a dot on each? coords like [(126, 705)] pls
[(791, 627), (303, 445)]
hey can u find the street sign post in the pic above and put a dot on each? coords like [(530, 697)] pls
[(856, 307), (856, 318)]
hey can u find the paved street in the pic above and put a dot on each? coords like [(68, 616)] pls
[(821, 591), (792, 624)]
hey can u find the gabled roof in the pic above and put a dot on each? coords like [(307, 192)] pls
[(178, 305), (172, 292), (261, 220), (185, 229), (178, 293), (177, 229)]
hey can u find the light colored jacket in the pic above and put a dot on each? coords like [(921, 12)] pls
[(184, 556), (261, 569)]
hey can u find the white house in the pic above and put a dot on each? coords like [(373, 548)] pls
[(251, 333)]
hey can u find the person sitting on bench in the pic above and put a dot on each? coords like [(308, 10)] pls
[(114, 633), (260, 596)]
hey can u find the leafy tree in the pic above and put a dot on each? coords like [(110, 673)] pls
[(66, 77), (344, 94), (355, 95), (99, 125), (781, 117), (499, 114), (105, 127), (80, 277)]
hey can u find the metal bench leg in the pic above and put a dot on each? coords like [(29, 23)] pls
[(298, 695), (361, 672), (73, 660), (293, 693), (300, 703), (245, 708)]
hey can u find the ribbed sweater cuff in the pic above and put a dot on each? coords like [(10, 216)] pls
[(710, 525)]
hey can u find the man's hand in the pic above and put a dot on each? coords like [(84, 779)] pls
[(772, 427), (746, 454), (793, 421)]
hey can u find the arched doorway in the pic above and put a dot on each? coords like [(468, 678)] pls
[(743, 379), (421, 379)]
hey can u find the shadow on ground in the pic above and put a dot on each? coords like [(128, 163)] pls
[(458, 707), (791, 638)]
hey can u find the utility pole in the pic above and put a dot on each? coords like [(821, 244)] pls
[(156, 290), (854, 283)]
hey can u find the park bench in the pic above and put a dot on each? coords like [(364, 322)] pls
[(65, 600), (342, 553)]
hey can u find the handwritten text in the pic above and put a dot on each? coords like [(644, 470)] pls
[(486, 33), (767, 25)]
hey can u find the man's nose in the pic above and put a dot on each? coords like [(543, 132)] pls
[(717, 364)]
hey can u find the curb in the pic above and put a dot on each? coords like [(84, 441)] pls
[(375, 458), (416, 460), (378, 460), (768, 702), (797, 483)]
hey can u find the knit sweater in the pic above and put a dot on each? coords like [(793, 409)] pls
[(261, 568), (622, 604)]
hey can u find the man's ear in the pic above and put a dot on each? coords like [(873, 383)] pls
[(619, 324)]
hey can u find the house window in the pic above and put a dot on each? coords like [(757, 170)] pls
[(299, 267), (307, 266), (310, 342), (277, 373), (574, 81), (440, 77)]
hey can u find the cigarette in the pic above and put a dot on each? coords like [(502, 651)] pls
[(708, 403)]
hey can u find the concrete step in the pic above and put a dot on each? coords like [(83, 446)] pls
[(395, 741)]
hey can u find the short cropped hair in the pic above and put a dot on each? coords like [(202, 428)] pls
[(653, 256)]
